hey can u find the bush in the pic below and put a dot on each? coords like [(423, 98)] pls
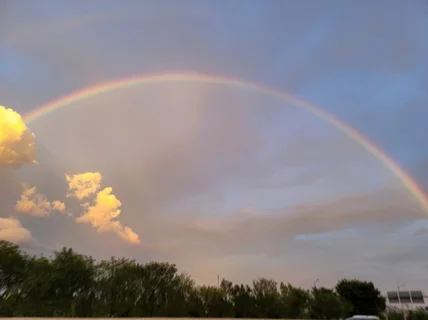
[(418, 315), (395, 315)]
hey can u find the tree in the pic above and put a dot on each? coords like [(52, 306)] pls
[(74, 285), (295, 301), (13, 265), (215, 302), (37, 296), (266, 298), (363, 296), (243, 301), (419, 314), (73, 281), (326, 304)]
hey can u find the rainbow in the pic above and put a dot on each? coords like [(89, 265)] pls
[(352, 133)]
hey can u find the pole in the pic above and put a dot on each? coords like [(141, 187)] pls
[(401, 303), (218, 281), (315, 282)]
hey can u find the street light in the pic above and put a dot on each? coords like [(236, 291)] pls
[(315, 282), (399, 300)]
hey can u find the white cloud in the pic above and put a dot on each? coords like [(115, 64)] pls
[(12, 230)]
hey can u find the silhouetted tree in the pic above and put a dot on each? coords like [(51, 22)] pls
[(73, 285), (363, 296)]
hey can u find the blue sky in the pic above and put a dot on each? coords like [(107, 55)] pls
[(187, 157)]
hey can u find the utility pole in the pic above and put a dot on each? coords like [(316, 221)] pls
[(218, 281)]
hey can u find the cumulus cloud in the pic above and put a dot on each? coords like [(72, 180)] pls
[(33, 203), (103, 211), (12, 230), (17, 145), (83, 185), (36, 204), (58, 206), (17, 149)]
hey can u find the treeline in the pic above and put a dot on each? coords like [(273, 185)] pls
[(73, 285)]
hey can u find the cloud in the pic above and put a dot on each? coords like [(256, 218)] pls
[(249, 231), (33, 203), (421, 230), (175, 188), (174, 179), (17, 145), (101, 214), (12, 230), (269, 238), (36, 204), (58, 206), (83, 185)]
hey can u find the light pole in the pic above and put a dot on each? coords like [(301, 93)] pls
[(400, 302), (315, 282)]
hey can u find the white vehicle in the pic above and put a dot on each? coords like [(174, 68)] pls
[(362, 317)]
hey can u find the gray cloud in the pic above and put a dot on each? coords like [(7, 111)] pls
[(239, 231), (421, 231)]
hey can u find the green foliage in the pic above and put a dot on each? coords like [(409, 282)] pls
[(74, 285), (326, 304), (417, 315), (362, 296), (394, 315)]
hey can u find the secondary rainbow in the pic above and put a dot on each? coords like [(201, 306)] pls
[(352, 133)]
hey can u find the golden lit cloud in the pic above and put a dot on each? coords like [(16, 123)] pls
[(83, 185), (37, 204), (58, 206), (17, 146), (102, 214), (105, 208)]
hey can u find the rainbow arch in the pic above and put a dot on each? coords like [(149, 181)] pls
[(352, 133)]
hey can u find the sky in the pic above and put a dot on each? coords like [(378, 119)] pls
[(223, 180)]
